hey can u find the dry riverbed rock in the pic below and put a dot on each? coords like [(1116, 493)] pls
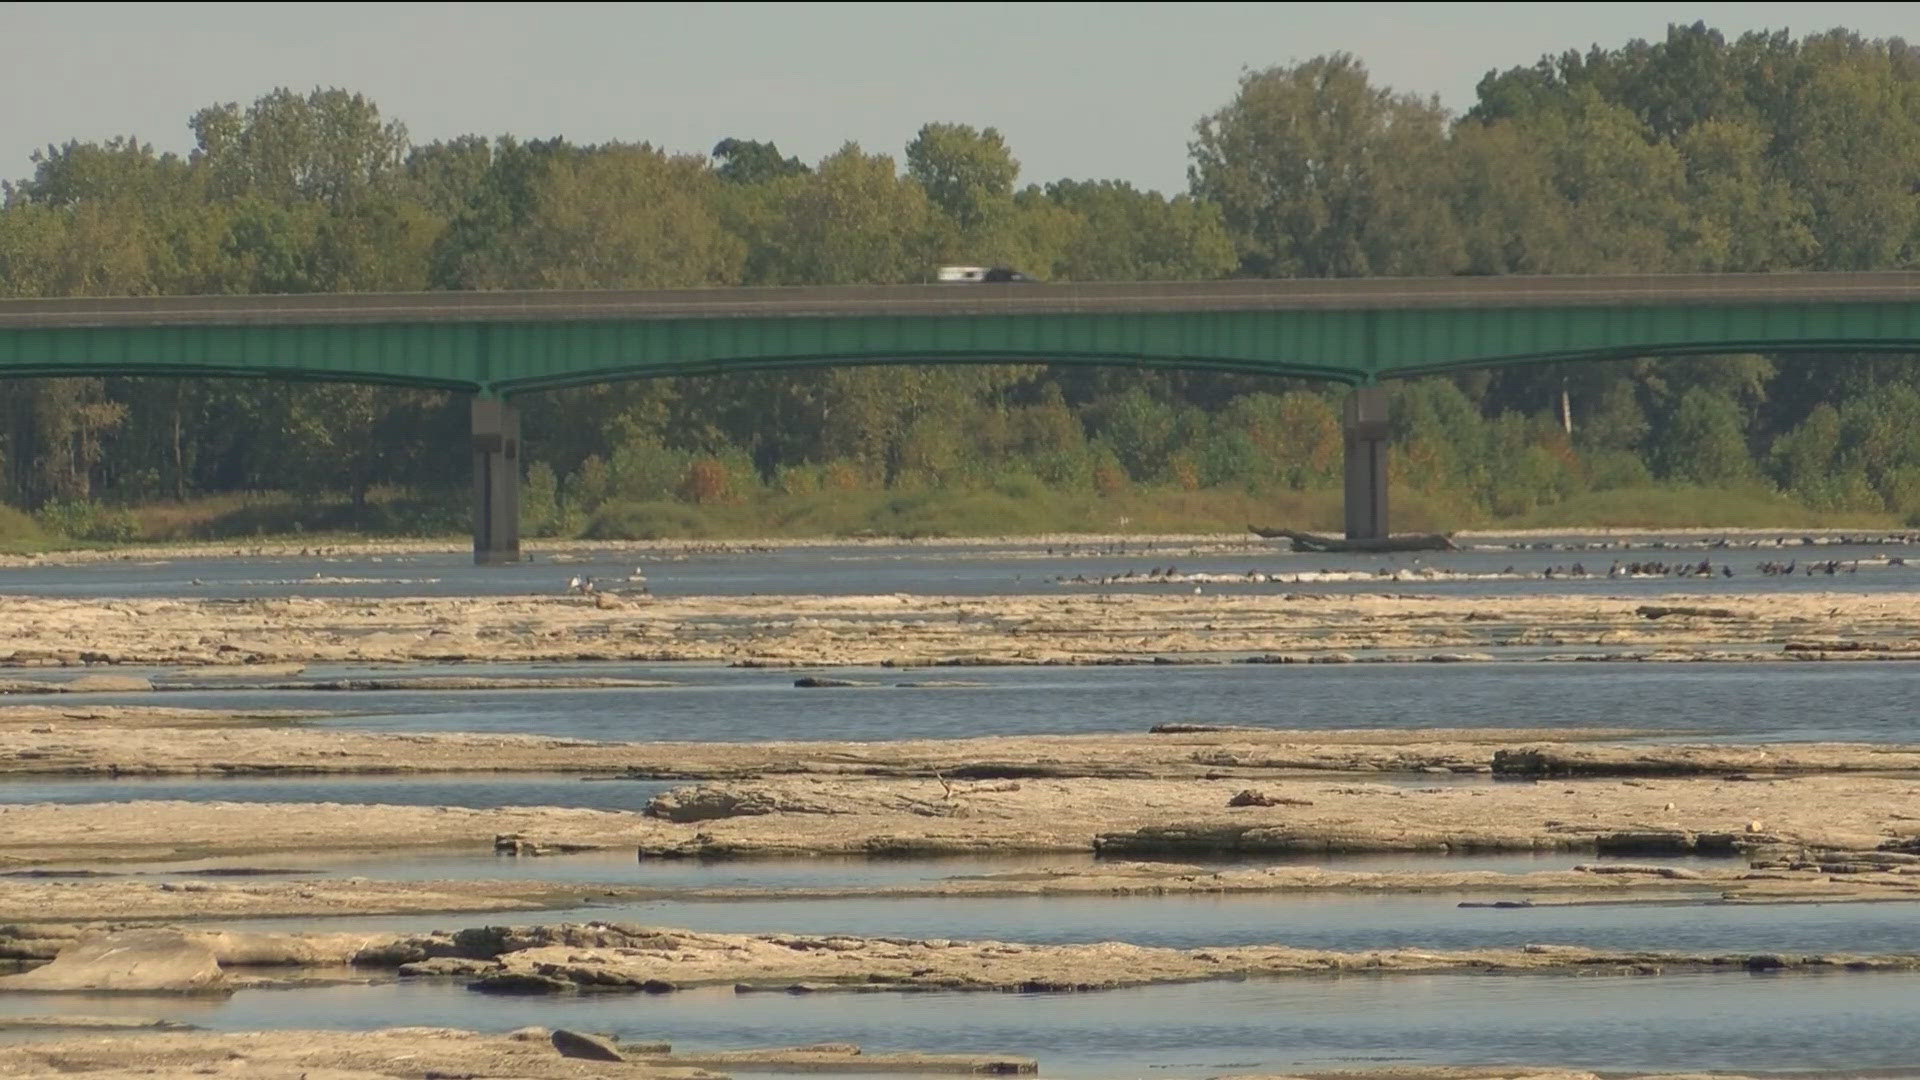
[(1792, 875), (167, 959), (818, 631), (413, 1053), (105, 746), (601, 957), (389, 1054), (1115, 816), (136, 961)]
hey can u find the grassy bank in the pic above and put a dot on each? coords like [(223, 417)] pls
[(1003, 510), (1684, 506)]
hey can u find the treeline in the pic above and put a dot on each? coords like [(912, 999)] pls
[(1692, 153)]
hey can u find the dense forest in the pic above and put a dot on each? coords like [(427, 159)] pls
[(1694, 153)]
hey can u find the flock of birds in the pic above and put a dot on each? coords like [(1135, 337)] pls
[(1705, 568)]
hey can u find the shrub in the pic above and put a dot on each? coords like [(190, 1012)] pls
[(642, 471), (1020, 485), (18, 528), (589, 486), (1109, 475), (540, 501), (656, 520), (89, 521), (706, 483), (842, 475), (1608, 469), (797, 480)]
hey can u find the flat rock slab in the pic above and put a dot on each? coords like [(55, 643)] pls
[(91, 1023), (388, 1054), (84, 684), (603, 957), (889, 817), (33, 900), (849, 1058), (138, 961), (113, 743)]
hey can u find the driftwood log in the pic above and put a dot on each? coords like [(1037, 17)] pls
[(1314, 542)]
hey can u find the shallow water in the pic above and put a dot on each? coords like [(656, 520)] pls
[(934, 569), (1347, 923), (1351, 923), (1865, 701), (1718, 1021), (483, 791)]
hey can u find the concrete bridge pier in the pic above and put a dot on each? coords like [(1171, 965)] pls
[(496, 482), (1365, 427)]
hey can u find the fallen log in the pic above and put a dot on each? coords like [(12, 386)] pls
[(1303, 541)]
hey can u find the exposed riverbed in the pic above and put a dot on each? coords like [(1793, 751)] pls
[(1349, 750)]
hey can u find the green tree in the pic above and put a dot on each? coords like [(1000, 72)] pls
[(1745, 217), (1318, 173), (1851, 145), (1122, 234), (328, 146), (744, 161), (1802, 459), (967, 173), (617, 216), (852, 221), (444, 177), (1704, 441), (1506, 197), (1625, 195)]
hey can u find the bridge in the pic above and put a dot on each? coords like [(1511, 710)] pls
[(494, 345)]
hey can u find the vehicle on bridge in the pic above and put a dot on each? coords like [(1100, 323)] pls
[(977, 275)]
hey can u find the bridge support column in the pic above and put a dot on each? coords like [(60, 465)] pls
[(1365, 428), (496, 482)]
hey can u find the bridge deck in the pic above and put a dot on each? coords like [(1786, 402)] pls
[(1358, 294)]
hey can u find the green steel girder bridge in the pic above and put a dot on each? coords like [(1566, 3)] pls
[(494, 345)]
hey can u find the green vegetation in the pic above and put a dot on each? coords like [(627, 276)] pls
[(19, 532), (1692, 153)]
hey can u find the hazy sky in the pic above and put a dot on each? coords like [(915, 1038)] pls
[(1081, 90)]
